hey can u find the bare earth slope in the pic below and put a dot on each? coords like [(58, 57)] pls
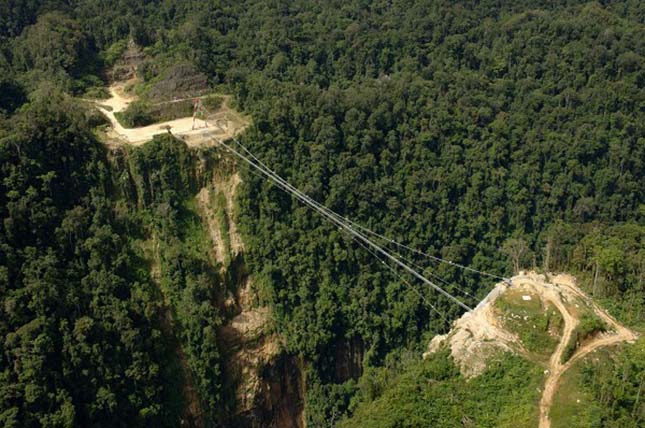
[(480, 334)]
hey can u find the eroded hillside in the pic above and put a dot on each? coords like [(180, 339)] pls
[(231, 359), (545, 319)]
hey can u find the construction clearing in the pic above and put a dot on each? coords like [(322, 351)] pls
[(481, 334), (194, 131)]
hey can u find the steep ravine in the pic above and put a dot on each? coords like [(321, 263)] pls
[(262, 382), (262, 386)]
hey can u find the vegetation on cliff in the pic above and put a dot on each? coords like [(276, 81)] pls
[(81, 343), (455, 127)]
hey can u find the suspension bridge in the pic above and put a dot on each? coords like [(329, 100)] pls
[(386, 250), (369, 240)]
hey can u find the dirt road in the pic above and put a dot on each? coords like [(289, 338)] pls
[(183, 127), (480, 333), (556, 369)]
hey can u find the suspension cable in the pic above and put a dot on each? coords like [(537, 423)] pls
[(405, 281), (364, 229), (434, 275), (421, 268), (347, 224), (336, 219), (397, 254)]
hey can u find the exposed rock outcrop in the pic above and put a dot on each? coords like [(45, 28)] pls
[(264, 383), (476, 336), (127, 66), (179, 81)]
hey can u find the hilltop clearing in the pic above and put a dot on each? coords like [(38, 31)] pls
[(224, 122), (507, 321)]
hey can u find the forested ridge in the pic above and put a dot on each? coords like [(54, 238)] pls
[(79, 321), (495, 134)]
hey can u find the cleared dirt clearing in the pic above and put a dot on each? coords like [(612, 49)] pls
[(479, 334), (231, 122)]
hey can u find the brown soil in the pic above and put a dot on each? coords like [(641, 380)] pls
[(478, 334), (205, 133)]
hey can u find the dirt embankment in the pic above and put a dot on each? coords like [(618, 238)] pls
[(476, 337), (479, 334)]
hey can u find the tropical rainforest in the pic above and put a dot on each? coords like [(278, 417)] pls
[(497, 134)]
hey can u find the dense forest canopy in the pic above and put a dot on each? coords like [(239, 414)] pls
[(464, 129)]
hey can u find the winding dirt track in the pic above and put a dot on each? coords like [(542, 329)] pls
[(480, 333), (556, 368)]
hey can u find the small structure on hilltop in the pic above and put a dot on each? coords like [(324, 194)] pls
[(199, 112)]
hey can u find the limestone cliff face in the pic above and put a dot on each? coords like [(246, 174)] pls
[(281, 398), (348, 357), (263, 385)]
